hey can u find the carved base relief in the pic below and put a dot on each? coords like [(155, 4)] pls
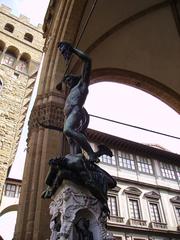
[(76, 215)]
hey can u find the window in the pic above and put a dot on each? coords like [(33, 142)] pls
[(10, 56), (2, 46), (126, 160), (28, 37), (134, 210), (177, 212), (23, 63), (1, 85), (16, 75), (108, 160), (112, 204), (176, 204), (178, 172), (154, 212), (9, 27), (12, 190), (9, 59), (22, 66), (144, 165), (167, 170)]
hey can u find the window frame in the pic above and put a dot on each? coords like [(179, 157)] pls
[(15, 193), (9, 27), (162, 165), (174, 207), (175, 201), (22, 66), (114, 196), (177, 172), (28, 37), (159, 211), (144, 158), (120, 156), (112, 159), (137, 199), (7, 59), (1, 84)]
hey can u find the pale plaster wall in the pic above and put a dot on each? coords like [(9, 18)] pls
[(149, 46)]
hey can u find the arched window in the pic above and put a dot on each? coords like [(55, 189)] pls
[(1, 85), (10, 56), (2, 46), (28, 37), (9, 27), (23, 63)]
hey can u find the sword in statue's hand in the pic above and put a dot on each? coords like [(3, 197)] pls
[(66, 50)]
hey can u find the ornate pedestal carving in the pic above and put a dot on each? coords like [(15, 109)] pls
[(77, 214)]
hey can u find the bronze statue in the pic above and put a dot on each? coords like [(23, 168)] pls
[(76, 117), (75, 166), (80, 171)]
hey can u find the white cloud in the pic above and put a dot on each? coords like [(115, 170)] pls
[(35, 10)]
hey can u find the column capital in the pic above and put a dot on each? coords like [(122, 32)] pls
[(49, 114)]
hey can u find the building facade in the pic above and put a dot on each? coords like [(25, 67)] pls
[(130, 42), (21, 46), (10, 196), (145, 205), (9, 207)]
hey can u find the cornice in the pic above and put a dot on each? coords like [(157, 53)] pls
[(175, 199), (133, 191), (133, 147), (149, 185), (152, 195)]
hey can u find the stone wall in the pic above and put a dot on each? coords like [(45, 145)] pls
[(17, 84)]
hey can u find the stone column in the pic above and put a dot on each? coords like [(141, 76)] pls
[(2, 54), (61, 23)]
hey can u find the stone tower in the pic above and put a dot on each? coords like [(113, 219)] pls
[(21, 46)]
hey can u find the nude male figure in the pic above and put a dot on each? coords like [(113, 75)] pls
[(76, 117)]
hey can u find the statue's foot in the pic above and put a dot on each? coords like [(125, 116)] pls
[(46, 194)]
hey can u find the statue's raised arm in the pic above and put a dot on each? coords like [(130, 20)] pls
[(67, 50)]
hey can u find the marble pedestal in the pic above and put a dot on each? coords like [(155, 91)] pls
[(70, 205)]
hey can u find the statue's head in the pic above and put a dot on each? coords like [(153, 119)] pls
[(71, 80), (66, 49)]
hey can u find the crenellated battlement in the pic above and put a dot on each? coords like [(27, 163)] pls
[(22, 18), (27, 37), (5, 9)]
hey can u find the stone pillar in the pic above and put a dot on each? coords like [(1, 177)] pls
[(2, 54), (61, 23)]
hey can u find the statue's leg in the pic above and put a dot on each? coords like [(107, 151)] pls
[(70, 126)]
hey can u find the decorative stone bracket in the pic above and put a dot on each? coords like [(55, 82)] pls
[(49, 114)]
